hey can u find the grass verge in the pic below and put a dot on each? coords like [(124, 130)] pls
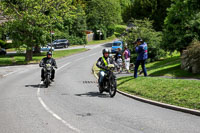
[(102, 41), (180, 92), (170, 67), (18, 59), (184, 93)]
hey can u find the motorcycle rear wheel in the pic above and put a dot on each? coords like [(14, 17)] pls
[(100, 90)]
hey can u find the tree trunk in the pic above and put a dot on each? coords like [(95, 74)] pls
[(37, 49), (29, 55)]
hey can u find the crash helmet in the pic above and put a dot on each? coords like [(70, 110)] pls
[(49, 53), (105, 51)]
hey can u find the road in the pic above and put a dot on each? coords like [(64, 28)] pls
[(72, 104)]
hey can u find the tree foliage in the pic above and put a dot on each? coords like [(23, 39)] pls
[(181, 24), (103, 13), (144, 29), (32, 20), (155, 10)]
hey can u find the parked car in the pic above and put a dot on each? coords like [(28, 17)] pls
[(47, 48), (60, 43), (2, 51), (116, 45)]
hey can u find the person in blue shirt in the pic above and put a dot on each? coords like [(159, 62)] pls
[(142, 52)]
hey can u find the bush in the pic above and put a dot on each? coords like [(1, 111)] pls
[(111, 30), (73, 40), (144, 29), (119, 29), (2, 43), (190, 59)]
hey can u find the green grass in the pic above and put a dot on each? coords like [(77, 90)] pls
[(178, 92), (102, 41), (15, 49), (19, 59), (170, 66)]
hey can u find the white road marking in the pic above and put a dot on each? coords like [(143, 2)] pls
[(10, 73), (92, 54), (63, 66), (79, 59), (51, 112)]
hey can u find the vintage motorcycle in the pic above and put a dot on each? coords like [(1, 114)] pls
[(109, 82), (47, 74)]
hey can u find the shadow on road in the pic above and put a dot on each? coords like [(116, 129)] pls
[(93, 94), (34, 86), (108, 45)]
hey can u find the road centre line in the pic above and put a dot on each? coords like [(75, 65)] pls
[(10, 73), (63, 66), (85, 57), (79, 59), (50, 111), (92, 54)]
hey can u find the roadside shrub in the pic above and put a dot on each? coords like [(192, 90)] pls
[(2, 43), (73, 40), (144, 29), (190, 59), (119, 29), (111, 30), (194, 50)]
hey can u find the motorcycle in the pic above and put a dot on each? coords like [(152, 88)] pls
[(109, 83), (47, 74)]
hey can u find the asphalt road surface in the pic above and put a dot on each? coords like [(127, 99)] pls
[(73, 104)]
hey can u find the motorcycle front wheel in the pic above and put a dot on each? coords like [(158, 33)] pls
[(47, 81), (113, 88)]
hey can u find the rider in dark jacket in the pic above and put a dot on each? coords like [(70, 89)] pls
[(46, 60), (103, 63)]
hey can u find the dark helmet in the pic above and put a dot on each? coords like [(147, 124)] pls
[(105, 51), (49, 53), (138, 40)]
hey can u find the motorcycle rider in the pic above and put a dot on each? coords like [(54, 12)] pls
[(51, 61), (103, 63)]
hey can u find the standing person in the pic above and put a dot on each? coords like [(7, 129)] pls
[(127, 55), (141, 50)]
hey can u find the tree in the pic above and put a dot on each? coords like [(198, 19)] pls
[(125, 9), (103, 13), (31, 20), (155, 10), (144, 29), (74, 27), (181, 24)]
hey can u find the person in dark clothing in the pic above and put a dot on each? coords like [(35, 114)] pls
[(51, 61), (141, 49), (103, 63), (118, 52)]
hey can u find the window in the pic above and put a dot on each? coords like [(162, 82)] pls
[(116, 44)]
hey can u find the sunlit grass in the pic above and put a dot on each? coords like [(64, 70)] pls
[(178, 92)]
